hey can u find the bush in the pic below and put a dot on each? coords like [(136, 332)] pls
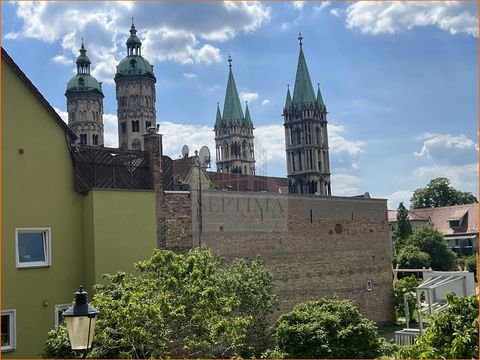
[(411, 257), (328, 328), (453, 333)]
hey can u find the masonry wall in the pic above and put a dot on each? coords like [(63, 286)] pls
[(315, 246)]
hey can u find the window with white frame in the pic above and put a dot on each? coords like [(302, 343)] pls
[(8, 330), (32, 247), (59, 309)]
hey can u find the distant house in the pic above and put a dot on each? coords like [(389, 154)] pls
[(458, 224)]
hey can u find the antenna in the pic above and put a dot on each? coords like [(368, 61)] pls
[(185, 151), (204, 157)]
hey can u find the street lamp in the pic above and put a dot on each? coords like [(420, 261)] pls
[(80, 321)]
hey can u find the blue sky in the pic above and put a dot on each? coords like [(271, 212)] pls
[(400, 79)]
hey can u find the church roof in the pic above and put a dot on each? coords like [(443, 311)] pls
[(303, 92), (248, 119), (232, 109), (288, 101), (83, 81), (219, 116)]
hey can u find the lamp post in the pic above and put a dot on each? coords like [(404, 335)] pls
[(80, 321)]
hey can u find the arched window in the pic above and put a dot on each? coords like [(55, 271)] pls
[(148, 124), (135, 126), (124, 127), (81, 82), (95, 139), (83, 139), (136, 144)]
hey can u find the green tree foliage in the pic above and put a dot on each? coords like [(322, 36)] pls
[(431, 241), (328, 328), (453, 333), (438, 193), (404, 228), (179, 306), (407, 286), (411, 257)]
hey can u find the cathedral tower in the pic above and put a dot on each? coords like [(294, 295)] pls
[(306, 138), (135, 83), (234, 133), (85, 103)]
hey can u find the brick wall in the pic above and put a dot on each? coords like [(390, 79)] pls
[(315, 246)]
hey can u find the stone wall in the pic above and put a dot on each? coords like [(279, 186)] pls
[(315, 246)]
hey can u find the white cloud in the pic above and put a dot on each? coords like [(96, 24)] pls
[(343, 151), (298, 5), (392, 17), (265, 102), (395, 198), (189, 75), (462, 177), (322, 6), (179, 35), (62, 59), (344, 184), (110, 130), (335, 12), (248, 96), (269, 145), (448, 149)]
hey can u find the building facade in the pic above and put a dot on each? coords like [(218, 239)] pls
[(306, 136), (135, 89), (234, 140), (85, 103)]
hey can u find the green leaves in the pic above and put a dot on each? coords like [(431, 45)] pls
[(328, 328), (180, 306), (438, 193)]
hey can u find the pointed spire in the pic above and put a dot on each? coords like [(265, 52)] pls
[(303, 92), (288, 101), (232, 109), (218, 121), (248, 119), (320, 102)]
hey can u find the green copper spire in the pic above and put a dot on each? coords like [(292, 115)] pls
[(320, 102), (218, 121), (248, 119), (288, 101), (232, 110), (303, 92)]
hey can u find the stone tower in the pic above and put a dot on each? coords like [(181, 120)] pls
[(306, 138), (234, 133), (85, 103), (135, 86)]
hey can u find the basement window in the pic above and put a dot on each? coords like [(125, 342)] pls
[(8, 330), (369, 285), (32, 247)]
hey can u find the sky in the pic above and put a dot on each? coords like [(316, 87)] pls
[(399, 79)]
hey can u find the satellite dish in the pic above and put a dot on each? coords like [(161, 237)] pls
[(204, 156), (185, 151)]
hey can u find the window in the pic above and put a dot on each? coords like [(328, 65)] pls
[(83, 139), (59, 309), (454, 223), (32, 247), (8, 330), (95, 139), (369, 285), (135, 126)]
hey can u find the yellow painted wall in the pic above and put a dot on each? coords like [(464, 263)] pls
[(37, 191), (123, 226)]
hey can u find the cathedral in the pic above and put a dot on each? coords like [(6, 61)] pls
[(304, 114)]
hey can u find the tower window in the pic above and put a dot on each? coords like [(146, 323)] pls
[(81, 82), (95, 139), (133, 63), (124, 126), (135, 126), (148, 124), (136, 144), (83, 139)]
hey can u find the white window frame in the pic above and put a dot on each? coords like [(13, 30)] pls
[(47, 240), (12, 329), (369, 285), (58, 308)]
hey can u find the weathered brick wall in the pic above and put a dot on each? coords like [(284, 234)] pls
[(315, 247), (177, 221)]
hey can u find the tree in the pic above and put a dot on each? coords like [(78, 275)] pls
[(438, 193), (431, 241), (453, 333), (328, 328), (403, 229), (411, 257), (406, 286), (178, 306)]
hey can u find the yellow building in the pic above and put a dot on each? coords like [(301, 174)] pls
[(55, 238)]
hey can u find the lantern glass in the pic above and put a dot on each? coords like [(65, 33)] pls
[(80, 331)]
